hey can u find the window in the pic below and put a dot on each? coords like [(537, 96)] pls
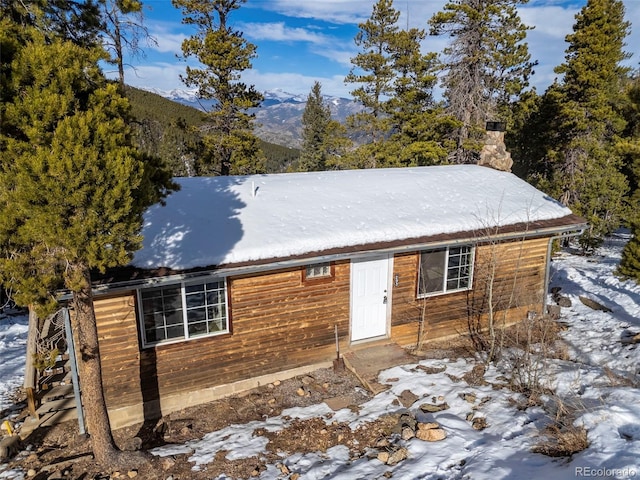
[(445, 270), (183, 311), (318, 270)]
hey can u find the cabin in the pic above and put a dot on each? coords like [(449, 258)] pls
[(242, 280)]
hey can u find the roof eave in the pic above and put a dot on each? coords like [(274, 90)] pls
[(570, 225)]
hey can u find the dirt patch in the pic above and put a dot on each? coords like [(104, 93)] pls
[(60, 449), (62, 446)]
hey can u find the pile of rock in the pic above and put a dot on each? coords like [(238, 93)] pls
[(390, 449)]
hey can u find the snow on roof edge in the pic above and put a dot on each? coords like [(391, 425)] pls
[(230, 220)]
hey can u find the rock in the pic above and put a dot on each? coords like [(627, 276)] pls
[(433, 408), (628, 337), (406, 419), (31, 472), (407, 433), (167, 462), (562, 301), (301, 392), (494, 153), (468, 397), (272, 401), (276, 383), (294, 476), (408, 398), (479, 423), (382, 443), (387, 474), (469, 416), (554, 311), (428, 425), (132, 473), (383, 457), (476, 376), (593, 305), (307, 380), (283, 468), (431, 435), (397, 456)]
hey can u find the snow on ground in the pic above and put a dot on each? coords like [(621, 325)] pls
[(596, 378), (13, 349)]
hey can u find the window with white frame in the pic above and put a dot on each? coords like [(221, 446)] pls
[(318, 270), (183, 311), (444, 270)]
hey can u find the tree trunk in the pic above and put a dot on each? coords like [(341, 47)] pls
[(84, 323)]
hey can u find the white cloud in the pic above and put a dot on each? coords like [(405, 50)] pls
[(279, 32), (336, 11), (296, 83), (164, 76)]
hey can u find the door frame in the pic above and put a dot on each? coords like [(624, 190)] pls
[(389, 287)]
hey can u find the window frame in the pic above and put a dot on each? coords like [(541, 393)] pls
[(445, 266), (185, 308), (318, 279)]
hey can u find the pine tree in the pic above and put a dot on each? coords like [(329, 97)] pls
[(322, 137), (229, 146), (419, 125), (488, 65), (123, 29), (373, 71), (73, 189), (630, 261), (585, 151)]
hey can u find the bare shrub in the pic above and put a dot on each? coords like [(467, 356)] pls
[(562, 441)]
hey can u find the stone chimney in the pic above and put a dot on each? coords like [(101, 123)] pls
[(494, 153)]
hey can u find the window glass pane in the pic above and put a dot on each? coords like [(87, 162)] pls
[(195, 299), (217, 325), (214, 298), (196, 315), (176, 331), (174, 318), (155, 334), (194, 288), (197, 329), (215, 286), (154, 320), (432, 271), (172, 302)]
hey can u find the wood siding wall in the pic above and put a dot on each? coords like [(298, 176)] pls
[(278, 323), (515, 270)]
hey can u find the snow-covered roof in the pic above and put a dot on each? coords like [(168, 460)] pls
[(231, 220)]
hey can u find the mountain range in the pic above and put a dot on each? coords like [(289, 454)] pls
[(279, 118)]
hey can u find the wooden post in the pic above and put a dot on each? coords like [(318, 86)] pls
[(30, 371)]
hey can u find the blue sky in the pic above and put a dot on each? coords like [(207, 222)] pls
[(301, 41)]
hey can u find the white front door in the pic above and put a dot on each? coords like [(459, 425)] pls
[(369, 279)]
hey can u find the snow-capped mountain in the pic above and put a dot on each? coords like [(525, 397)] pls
[(279, 118)]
